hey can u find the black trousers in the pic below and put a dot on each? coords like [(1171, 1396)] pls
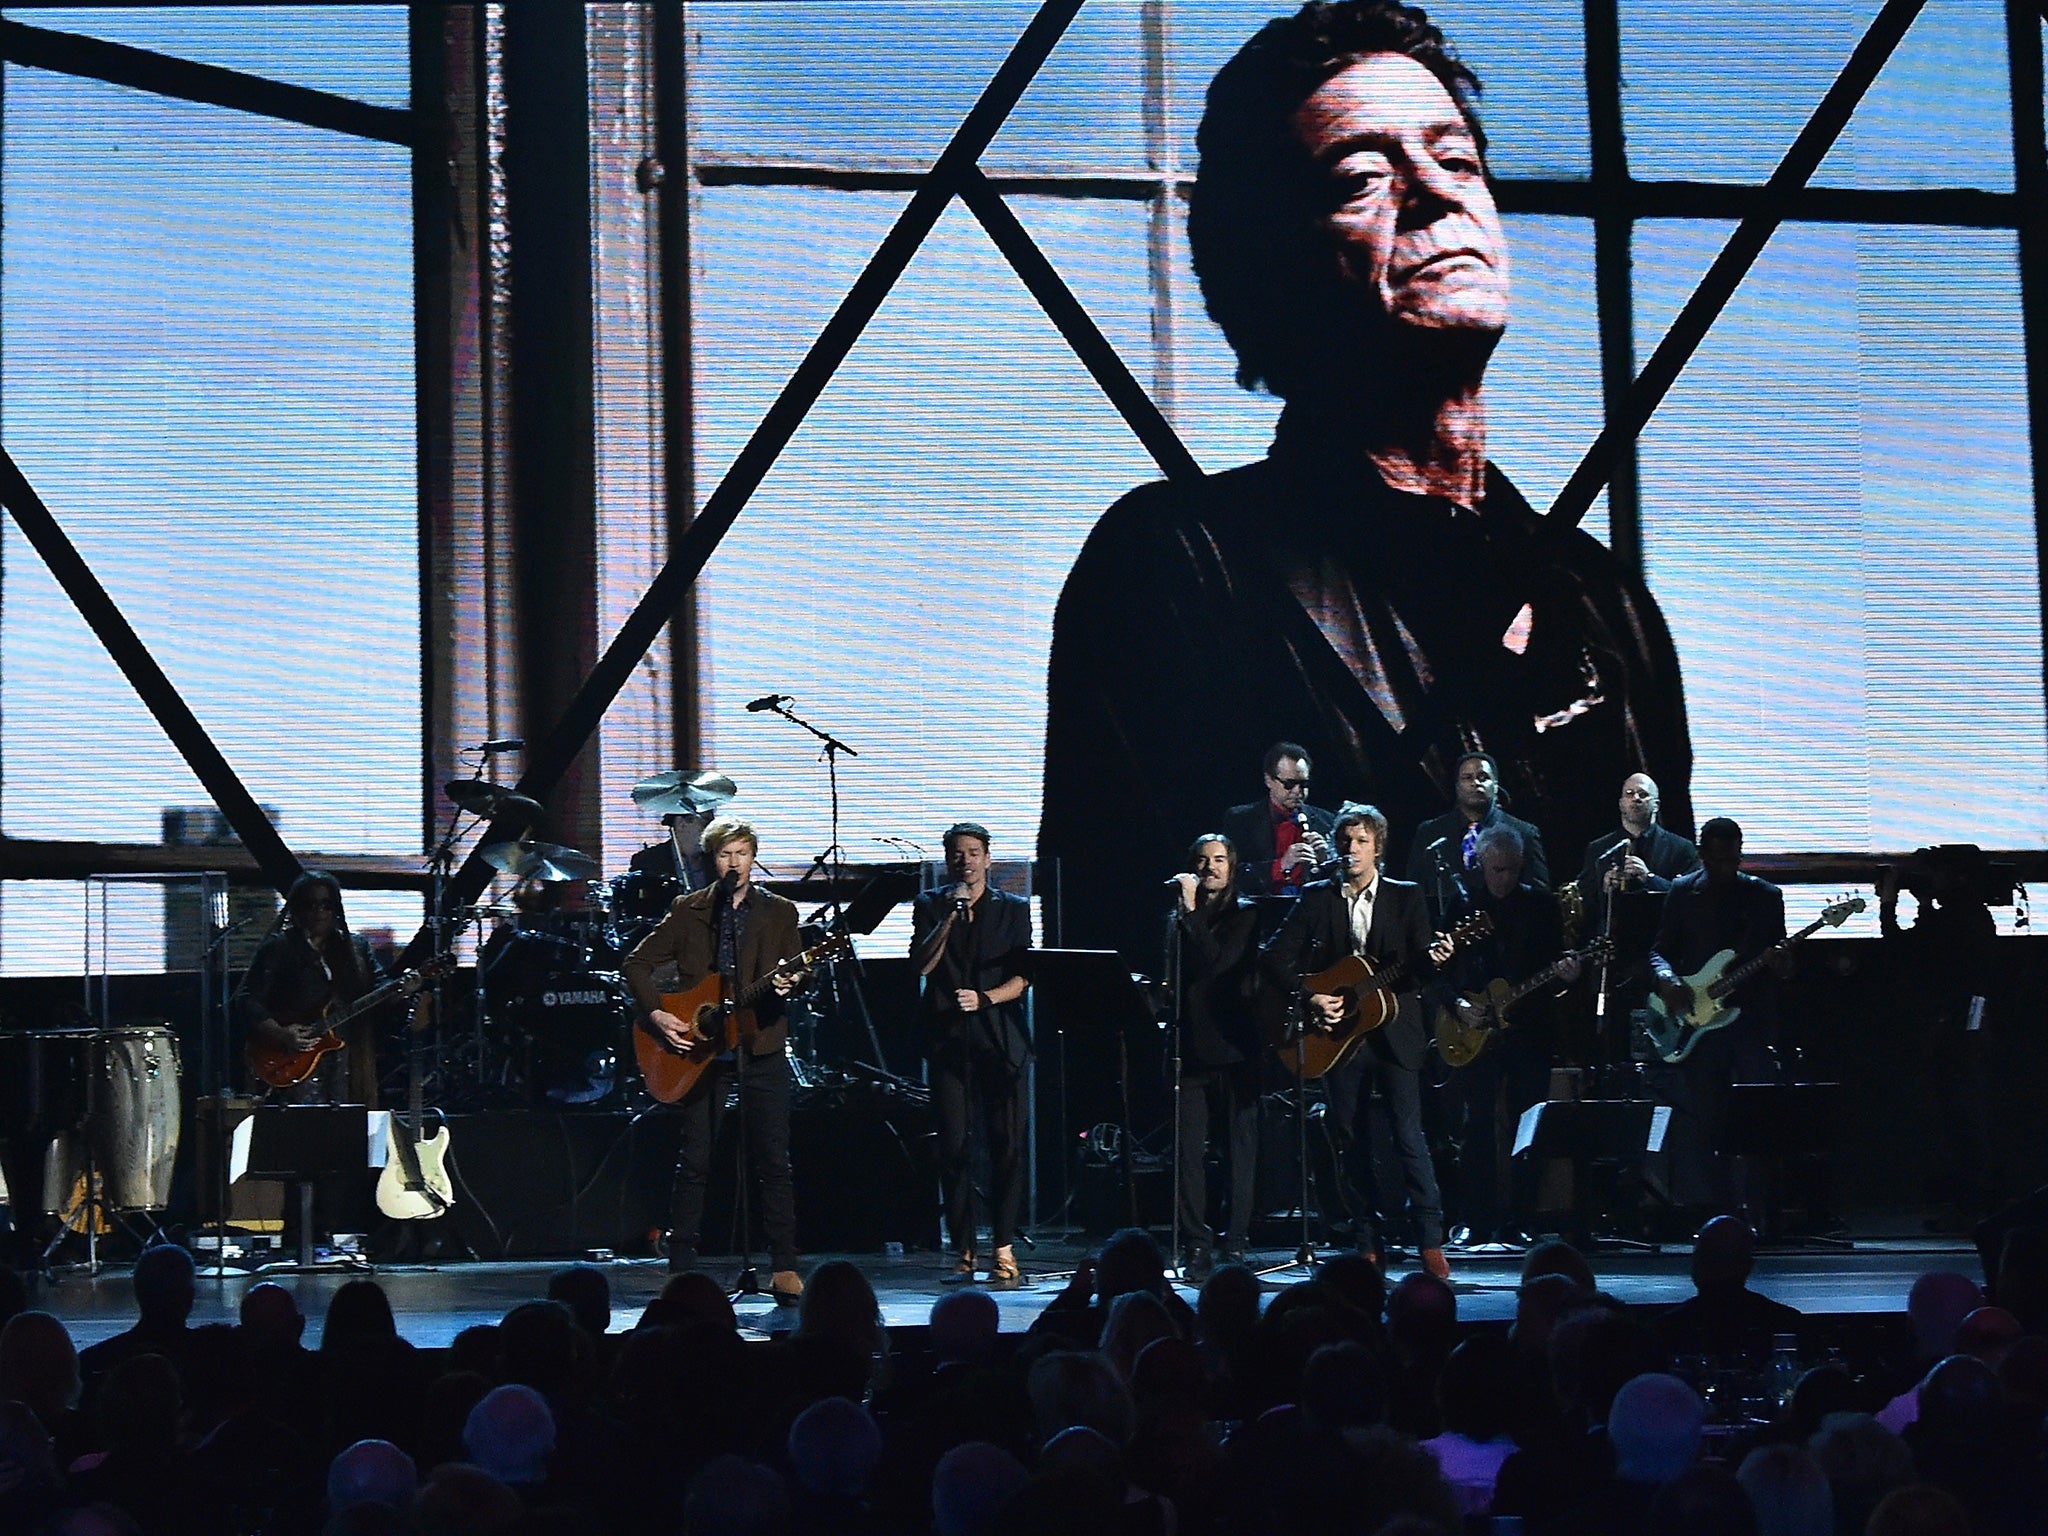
[(1494, 1091), (969, 1085), (1232, 1093), (764, 1111), (1351, 1106)]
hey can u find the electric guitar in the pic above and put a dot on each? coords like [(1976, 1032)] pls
[(1467, 1026), (415, 1184), (280, 1066), (669, 1071), (1673, 1034), (1310, 1047)]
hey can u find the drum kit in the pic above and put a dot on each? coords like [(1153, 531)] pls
[(553, 1016)]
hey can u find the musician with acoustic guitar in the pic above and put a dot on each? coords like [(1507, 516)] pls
[(1715, 908), (739, 933), (1362, 912), (308, 970)]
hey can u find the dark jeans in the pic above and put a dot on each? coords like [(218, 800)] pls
[(1233, 1093), (764, 1113), (982, 1085), (1352, 1110)]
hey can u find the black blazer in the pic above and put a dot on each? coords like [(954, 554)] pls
[(1250, 829), (1317, 934), (1219, 974), (1667, 854), (1422, 864), (997, 940)]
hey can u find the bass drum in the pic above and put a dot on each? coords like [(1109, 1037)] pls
[(571, 1036), (640, 899)]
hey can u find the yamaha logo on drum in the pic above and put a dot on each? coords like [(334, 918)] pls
[(573, 999)]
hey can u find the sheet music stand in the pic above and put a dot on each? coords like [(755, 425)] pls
[(296, 1144), (1095, 984), (1607, 1135)]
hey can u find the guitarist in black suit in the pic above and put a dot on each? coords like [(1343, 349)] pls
[(741, 932), (967, 941), (1513, 1071), (1363, 912), (1448, 845), (1281, 839), (1714, 908), (310, 963)]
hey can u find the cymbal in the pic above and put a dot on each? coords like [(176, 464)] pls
[(491, 799), (539, 861), (684, 792)]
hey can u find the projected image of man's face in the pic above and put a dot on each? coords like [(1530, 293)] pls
[(1412, 214)]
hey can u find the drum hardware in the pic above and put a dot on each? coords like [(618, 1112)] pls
[(481, 798)]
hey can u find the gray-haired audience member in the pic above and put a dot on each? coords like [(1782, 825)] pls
[(834, 1448), (970, 1486), (1788, 1490), (511, 1435), (964, 1327), (1655, 1427), (371, 1472)]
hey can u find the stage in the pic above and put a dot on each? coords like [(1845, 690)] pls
[(433, 1303)]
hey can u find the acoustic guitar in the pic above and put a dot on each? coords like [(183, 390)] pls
[(1673, 1035), (1466, 1027), (724, 1022), (281, 1066), (1372, 990)]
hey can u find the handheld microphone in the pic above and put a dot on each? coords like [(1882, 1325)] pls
[(502, 744), (768, 701), (1610, 853), (1171, 880)]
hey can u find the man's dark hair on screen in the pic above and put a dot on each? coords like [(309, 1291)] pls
[(1267, 273)]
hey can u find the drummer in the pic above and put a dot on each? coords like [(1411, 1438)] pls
[(680, 857)]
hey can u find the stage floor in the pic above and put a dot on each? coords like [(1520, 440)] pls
[(435, 1302)]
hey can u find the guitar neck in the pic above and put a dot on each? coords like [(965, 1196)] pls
[(1735, 978)]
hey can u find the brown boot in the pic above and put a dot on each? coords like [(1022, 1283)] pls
[(1434, 1263), (1005, 1271), (787, 1287), (962, 1272)]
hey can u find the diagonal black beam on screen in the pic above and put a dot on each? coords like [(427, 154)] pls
[(955, 164), (92, 58), (280, 866), (1080, 330), (2030, 185), (1733, 264)]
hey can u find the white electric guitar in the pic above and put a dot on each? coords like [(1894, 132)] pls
[(1675, 1034), (415, 1184)]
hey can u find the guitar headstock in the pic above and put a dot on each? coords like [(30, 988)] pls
[(836, 946), (1839, 913), (1471, 930)]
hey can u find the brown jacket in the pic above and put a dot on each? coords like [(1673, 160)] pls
[(688, 939)]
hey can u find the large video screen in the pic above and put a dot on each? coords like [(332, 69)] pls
[(1835, 500)]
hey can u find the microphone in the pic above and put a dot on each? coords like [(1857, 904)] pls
[(1610, 853), (502, 744), (768, 701)]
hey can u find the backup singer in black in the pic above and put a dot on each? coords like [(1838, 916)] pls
[(1445, 847), (1637, 856), (967, 942), (1364, 913), (1212, 947)]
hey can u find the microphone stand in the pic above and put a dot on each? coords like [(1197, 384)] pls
[(1178, 1023)]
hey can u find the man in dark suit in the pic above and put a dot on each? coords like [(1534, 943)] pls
[(1638, 856), (1282, 839), (1716, 907), (1362, 912), (1213, 953), (1513, 1071), (967, 941), (1447, 846), (740, 932)]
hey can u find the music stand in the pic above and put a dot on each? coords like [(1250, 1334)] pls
[(1100, 981), (295, 1144), (1604, 1134)]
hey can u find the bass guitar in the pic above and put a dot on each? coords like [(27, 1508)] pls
[(1674, 1034), (1466, 1026), (1310, 1047), (281, 1066), (415, 1184), (671, 1071)]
